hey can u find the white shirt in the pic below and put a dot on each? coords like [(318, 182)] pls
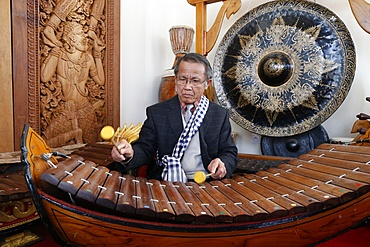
[(192, 160)]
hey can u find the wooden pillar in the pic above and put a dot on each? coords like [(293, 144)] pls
[(20, 68), (201, 28), (205, 40), (6, 105)]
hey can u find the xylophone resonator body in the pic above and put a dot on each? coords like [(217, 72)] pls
[(299, 202)]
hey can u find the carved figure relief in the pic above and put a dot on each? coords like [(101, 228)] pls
[(72, 91)]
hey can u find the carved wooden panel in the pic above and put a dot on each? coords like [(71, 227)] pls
[(66, 64)]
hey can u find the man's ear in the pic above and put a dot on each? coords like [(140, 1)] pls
[(209, 82)]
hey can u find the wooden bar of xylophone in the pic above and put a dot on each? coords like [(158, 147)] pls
[(323, 178)]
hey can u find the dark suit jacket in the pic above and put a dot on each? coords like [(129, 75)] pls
[(163, 127)]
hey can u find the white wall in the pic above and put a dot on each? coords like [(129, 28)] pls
[(146, 53)]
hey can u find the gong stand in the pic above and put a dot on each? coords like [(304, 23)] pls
[(361, 11), (205, 40)]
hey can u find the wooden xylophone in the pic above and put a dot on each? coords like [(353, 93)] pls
[(323, 178)]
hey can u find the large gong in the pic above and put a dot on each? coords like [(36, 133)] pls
[(284, 67)]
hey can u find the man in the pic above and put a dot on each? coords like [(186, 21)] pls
[(182, 148)]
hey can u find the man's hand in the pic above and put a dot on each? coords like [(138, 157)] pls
[(217, 168), (122, 151)]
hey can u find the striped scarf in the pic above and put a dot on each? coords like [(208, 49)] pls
[(172, 170)]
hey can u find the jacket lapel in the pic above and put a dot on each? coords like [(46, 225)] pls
[(175, 117), (205, 124)]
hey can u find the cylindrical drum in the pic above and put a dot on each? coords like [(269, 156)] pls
[(167, 87), (181, 38)]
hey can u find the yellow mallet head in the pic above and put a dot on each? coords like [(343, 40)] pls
[(107, 132), (199, 177)]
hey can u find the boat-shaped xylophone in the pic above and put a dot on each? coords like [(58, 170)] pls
[(299, 202)]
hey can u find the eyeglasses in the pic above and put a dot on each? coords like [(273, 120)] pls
[(182, 81)]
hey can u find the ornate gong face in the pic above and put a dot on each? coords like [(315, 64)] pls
[(284, 67)]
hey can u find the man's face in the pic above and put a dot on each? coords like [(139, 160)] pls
[(190, 82)]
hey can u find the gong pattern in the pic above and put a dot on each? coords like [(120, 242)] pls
[(284, 67)]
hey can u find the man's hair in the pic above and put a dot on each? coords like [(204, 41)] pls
[(195, 58)]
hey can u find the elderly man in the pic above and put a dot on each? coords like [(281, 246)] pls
[(183, 146)]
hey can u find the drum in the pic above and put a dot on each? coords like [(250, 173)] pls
[(181, 38)]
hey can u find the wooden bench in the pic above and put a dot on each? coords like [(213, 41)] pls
[(16, 205)]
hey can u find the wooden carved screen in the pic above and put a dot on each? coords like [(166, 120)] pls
[(66, 68)]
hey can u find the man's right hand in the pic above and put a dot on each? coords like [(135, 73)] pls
[(122, 151)]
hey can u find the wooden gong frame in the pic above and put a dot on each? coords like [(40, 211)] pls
[(205, 40)]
